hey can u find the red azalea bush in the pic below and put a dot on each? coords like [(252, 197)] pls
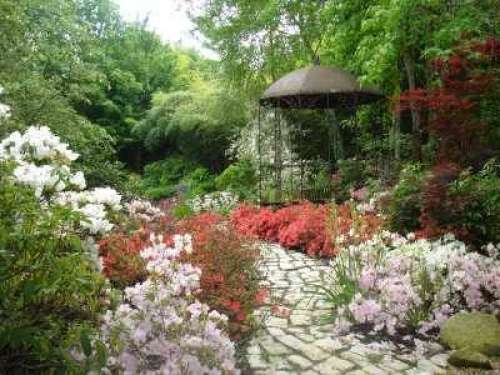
[(318, 230), (121, 260), (229, 282)]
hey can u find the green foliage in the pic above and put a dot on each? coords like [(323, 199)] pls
[(182, 211), (161, 178), (48, 287), (478, 208), (199, 182), (239, 178), (197, 124), (406, 201)]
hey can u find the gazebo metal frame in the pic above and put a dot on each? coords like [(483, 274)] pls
[(314, 87)]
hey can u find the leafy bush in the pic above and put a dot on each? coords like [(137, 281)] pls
[(161, 178), (199, 182), (48, 288), (481, 212), (406, 201), (465, 204), (182, 211), (396, 286), (50, 291), (239, 178)]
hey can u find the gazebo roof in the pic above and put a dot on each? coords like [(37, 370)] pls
[(319, 87)]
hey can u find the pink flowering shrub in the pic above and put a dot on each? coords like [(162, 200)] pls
[(161, 328), (397, 285)]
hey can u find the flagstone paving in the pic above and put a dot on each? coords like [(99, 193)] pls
[(304, 343)]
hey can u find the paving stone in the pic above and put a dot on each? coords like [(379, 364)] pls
[(374, 370), (305, 342), (274, 321), (395, 365), (333, 364), (300, 320), (299, 361), (328, 344), (256, 361), (313, 352), (290, 340), (275, 331), (440, 359)]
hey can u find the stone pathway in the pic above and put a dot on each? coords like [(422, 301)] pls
[(304, 343)]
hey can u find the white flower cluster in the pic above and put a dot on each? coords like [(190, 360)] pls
[(164, 329), (143, 210), (405, 284), (4, 108), (42, 162), (223, 201)]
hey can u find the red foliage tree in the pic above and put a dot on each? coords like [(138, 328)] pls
[(453, 107), (457, 121)]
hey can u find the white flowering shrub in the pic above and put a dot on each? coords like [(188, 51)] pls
[(221, 202), (162, 328), (398, 285), (42, 162), (143, 210)]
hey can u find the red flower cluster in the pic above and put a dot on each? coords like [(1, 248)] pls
[(229, 282), (122, 262), (306, 226)]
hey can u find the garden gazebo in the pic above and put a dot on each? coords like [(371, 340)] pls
[(318, 88)]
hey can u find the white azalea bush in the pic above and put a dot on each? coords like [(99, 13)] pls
[(398, 285), (42, 162), (162, 328), (222, 202), (144, 211)]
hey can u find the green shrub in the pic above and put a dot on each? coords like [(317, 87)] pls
[(199, 182), (49, 289), (161, 178), (182, 211), (239, 178), (352, 172), (478, 204), (406, 202)]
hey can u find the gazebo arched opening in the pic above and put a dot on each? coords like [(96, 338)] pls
[(324, 89)]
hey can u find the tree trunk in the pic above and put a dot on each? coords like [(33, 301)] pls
[(415, 114)]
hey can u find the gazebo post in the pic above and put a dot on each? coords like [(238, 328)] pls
[(259, 149), (277, 152)]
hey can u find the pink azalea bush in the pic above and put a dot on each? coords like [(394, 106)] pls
[(399, 285), (162, 328)]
